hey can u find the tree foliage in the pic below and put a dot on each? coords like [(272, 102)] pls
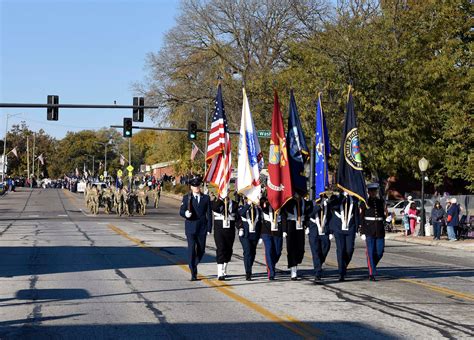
[(408, 61)]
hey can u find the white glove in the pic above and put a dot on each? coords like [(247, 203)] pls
[(188, 214), (208, 233), (285, 234), (241, 232), (260, 241), (306, 231), (331, 236), (363, 237), (325, 202)]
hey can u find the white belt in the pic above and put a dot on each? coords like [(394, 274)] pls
[(373, 218), (221, 217), (292, 217)]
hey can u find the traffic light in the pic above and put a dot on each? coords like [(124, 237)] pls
[(127, 127), (53, 112), (192, 130), (138, 113)]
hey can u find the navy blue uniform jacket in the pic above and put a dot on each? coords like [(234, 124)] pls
[(200, 221)]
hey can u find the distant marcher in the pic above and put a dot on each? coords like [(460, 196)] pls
[(437, 217), (453, 219)]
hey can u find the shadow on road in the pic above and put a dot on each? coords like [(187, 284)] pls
[(221, 330)]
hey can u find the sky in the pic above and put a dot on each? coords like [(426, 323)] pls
[(86, 52)]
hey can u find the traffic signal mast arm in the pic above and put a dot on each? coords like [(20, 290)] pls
[(168, 129)]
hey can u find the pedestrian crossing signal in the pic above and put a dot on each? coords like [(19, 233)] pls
[(138, 113), (127, 127), (53, 112), (192, 130)]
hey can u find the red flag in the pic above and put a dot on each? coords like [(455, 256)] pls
[(279, 188)]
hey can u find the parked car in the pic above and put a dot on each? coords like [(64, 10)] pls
[(399, 208), (81, 186)]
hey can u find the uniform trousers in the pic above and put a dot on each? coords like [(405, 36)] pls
[(374, 252), (250, 249), (196, 250), (344, 250), (273, 248), (224, 239), (294, 245), (320, 246)]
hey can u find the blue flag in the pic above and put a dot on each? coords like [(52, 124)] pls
[(322, 151), (350, 177), (297, 149)]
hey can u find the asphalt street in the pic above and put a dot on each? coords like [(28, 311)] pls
[(67, 274)]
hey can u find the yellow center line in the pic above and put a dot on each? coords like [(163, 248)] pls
[(441, 290), (294, 325)]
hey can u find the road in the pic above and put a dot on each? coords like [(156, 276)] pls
[(67, 274)]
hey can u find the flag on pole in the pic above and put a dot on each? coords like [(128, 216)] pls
[(122, 160), (77, 172), (194, 151), (279, 187), (14, 152), (349, 176), (218, 157), (100, 165), (250, 161), (41, 159), (322, 152), (297, 149)]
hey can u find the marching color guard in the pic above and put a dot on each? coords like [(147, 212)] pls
[(344, 222), (226, 218), (249, 234), (318, 236), (373, 230), (271, 236)]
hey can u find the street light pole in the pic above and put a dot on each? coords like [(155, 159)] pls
[(423, 165)]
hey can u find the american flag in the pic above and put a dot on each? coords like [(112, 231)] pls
[(218, 157)]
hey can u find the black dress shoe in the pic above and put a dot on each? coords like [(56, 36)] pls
[(341, 278), (317, 279), (272, 278), (194, 278), (372, 278), (221, 278), (248, 277)]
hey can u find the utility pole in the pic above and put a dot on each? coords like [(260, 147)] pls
[(33, 160), (28, 157)]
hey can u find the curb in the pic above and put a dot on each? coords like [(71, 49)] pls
[(446, 244)]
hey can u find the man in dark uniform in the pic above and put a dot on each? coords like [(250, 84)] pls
[(344, 223), (318, 235), (372, 229), (271, 236), (226, 218), (249, 234), (293, 220), (196, 209)]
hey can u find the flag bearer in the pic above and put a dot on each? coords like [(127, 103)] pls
[(344, 224), (318, 235), (271, 236), (293, 220), (249, 234), (226, 218), (373, 230)]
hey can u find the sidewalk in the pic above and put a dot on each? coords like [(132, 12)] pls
[(467, 245)]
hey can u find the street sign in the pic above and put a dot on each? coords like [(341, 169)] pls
[(130, 168), (119, 173), (264, 133)]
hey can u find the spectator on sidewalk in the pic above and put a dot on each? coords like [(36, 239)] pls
[(413, 216), (453, 219), (437, 219)]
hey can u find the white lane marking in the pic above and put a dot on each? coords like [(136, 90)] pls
[(62, 215), (67, 223), (33, 215)]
